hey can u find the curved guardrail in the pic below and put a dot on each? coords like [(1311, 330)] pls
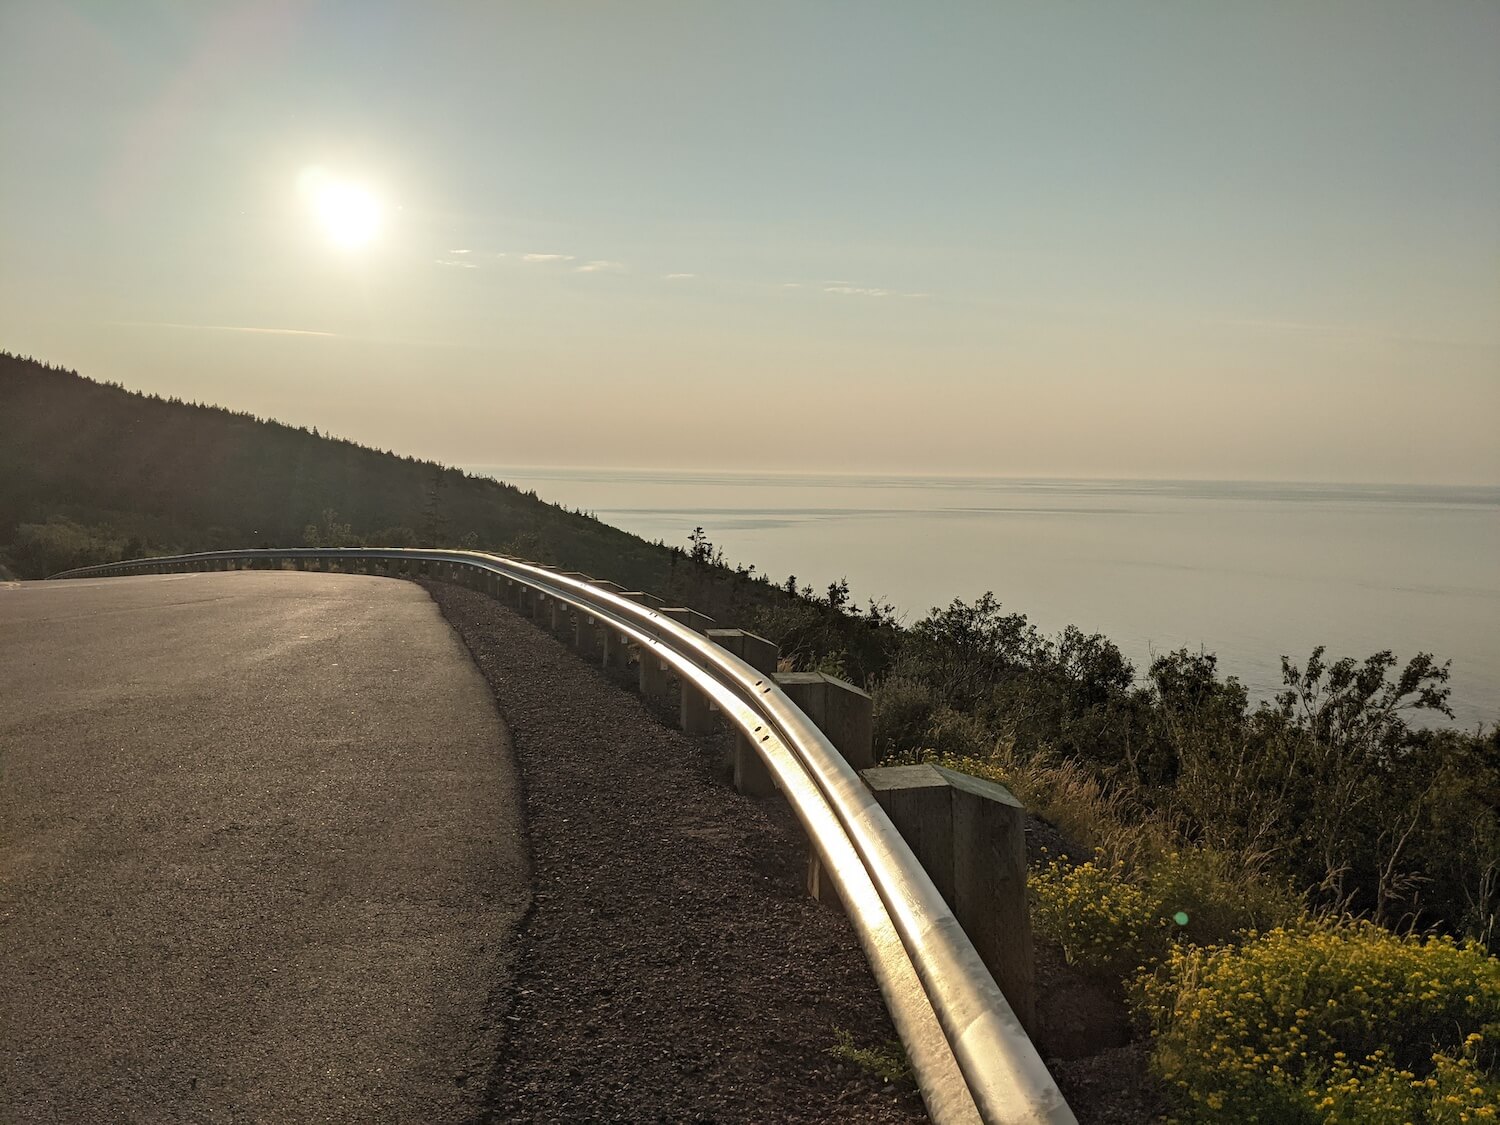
[(972, 1059)]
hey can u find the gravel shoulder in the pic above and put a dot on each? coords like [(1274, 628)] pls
[(671, 969)]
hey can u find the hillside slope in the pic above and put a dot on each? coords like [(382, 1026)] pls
[(158, 475)]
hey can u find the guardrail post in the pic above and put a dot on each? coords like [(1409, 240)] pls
[(750, 774), (970, 836), (840, 710), (751, 777), (586, 636), (560, 617), (754, 650), (847, 716), (691, 618), (695, 715), (614, 649), (539, 609), (653, 673)]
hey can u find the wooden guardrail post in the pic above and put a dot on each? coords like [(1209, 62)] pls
[(691, 618), (846, 714), (695, 714), (586, 636), (843, 712), (754, 650), (539, 613), (560, 613), (970, 836), (750, 774), (654, 682), (614, 648)]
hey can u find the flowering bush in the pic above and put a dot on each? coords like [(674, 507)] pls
[(1329, 1023), (1101, 921), (1110, 920)]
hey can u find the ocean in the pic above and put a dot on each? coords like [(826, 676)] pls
[(1246, 570)]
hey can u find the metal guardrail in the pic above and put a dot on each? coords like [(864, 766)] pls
[(972, 1059)]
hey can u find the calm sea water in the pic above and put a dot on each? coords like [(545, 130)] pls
[(1249, 571)]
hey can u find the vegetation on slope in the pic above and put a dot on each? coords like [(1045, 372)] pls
[(1225, 835)]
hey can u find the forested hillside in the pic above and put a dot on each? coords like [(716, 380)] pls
[(90, 471)]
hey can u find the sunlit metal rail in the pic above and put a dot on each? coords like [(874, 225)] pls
[(972, 1059)]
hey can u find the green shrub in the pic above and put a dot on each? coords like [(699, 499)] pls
[(1094, 816), (1211, 900), (40, 549), (953, 733), (1270, 1031), (887, 1062), (903, 708)]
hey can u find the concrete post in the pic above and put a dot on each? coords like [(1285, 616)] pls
[(754, 650), (970, 836)]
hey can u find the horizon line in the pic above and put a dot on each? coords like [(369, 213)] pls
[(888, 474)]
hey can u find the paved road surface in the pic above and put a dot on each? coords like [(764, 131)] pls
[(260, 853)]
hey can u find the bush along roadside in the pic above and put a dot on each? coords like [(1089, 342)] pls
[(1256, 1010), (1326, 1021)]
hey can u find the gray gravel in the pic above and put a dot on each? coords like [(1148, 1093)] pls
[(671, 969), (260, 857)]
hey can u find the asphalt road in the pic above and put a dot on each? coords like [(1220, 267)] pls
[(261, 855)]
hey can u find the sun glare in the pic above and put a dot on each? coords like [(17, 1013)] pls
[(347, 212)]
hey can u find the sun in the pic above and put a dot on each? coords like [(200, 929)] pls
[(348, 212)]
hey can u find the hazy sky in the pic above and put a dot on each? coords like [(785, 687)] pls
[(1195, 239)]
